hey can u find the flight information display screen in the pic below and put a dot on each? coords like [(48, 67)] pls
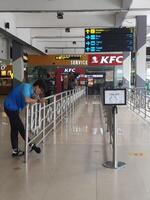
[(108, 39)]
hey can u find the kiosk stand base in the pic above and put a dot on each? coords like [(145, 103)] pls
[(111, 165)]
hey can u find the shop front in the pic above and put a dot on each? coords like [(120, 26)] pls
[(70, 70)]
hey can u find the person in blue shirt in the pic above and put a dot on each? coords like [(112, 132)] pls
[(16, 100)]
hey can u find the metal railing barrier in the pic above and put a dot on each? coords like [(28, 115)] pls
[(139, 102), (41, 120)]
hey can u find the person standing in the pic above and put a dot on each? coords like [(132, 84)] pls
[(16, 100)]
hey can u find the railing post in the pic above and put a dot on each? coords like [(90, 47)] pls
[(54, 119), (66, 97), (61, 107), (140, 97), (145, 93), (44, 120), (130, 91), (70, 100), (27, 133)]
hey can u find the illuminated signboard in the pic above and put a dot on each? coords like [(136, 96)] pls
[(68, 57), (78, 62), (3, 73), (67, 70), (6, 71), (94, 76), (108, 40), (105, 59), (73, 59), (58, 60)]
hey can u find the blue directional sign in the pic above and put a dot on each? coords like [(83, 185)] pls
[(108, 39)]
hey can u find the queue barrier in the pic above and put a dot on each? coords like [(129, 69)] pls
[(139, 102), (41, 120)]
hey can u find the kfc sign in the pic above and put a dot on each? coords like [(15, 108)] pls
[(105, 59), (67, 70)]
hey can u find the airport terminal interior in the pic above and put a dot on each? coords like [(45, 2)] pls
[(86, 124)]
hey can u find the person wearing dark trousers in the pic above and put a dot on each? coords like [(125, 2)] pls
[(15, 101)]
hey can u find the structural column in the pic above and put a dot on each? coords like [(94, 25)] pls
[(18, 64), (140, 60), (127, 69)]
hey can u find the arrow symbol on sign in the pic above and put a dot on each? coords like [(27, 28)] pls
[(88, 43), (87, 37)]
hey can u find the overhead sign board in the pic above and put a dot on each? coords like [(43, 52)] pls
[(68, 57), (108, 40), (58, 60), (105, 59), (114, 97), (76, 60)]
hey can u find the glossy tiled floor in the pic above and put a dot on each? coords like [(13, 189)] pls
[(72, 168)]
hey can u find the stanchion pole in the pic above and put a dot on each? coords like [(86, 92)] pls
[(114, 164)]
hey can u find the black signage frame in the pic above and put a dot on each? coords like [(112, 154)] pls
[(112, 102), (109, 40)]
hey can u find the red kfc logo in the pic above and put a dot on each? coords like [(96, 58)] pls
[(94, 59), (105, 59)]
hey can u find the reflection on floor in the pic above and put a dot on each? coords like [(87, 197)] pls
[(72, 168)]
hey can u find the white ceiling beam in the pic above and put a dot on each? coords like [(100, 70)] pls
[(120, 17), (70, 20), (54, 5), (126, 4)]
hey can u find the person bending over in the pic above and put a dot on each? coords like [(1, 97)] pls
[(16, 100)]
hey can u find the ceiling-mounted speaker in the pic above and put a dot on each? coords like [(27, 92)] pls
[(67, 30), (7, 25), (60, 15)]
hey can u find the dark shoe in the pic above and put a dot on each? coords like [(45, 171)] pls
[(17, 153), (35, 148)]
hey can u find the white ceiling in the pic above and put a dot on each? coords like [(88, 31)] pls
[(40, 16)]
